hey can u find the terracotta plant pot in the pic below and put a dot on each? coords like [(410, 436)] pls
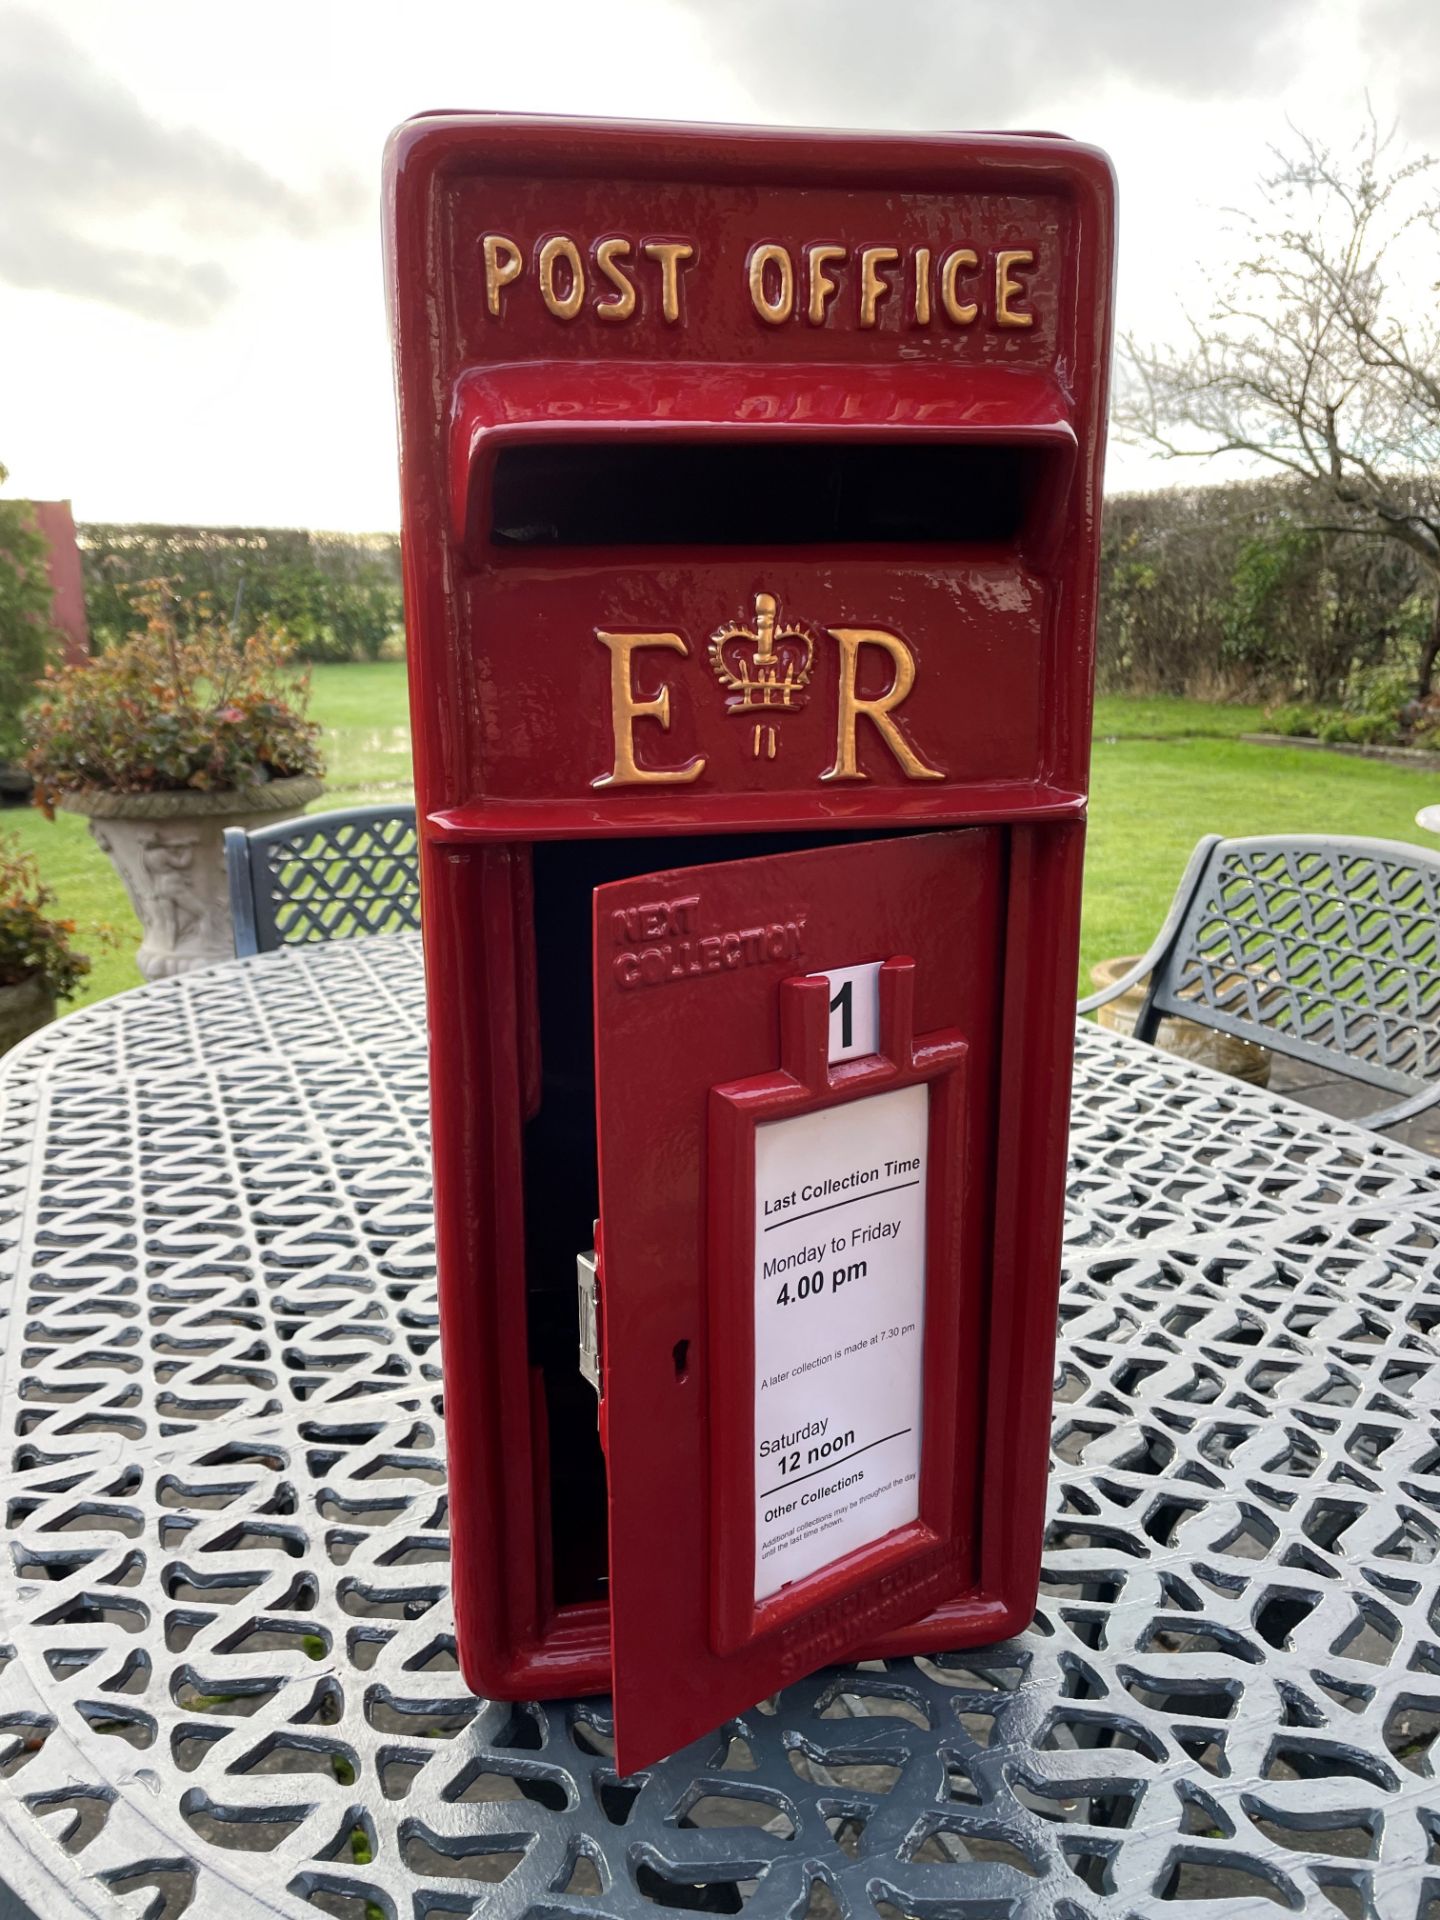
[(23, 1008), (1241, 1059), (168, 848)]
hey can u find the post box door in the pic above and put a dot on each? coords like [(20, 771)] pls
[(795, 1071)]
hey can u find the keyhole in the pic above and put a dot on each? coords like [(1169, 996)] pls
[(681, 1353)]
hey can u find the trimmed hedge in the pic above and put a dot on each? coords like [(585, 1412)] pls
[(334, 596)]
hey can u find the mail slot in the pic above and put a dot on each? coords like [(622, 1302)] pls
[(750, 491)]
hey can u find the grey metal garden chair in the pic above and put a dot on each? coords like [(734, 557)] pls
[(1318, 947), (325, 876)]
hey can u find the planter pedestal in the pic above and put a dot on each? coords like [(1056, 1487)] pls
[(23, 1008), (168, 849), (1241, 1059)]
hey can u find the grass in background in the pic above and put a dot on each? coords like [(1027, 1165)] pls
[(1165, 717), (1165, 772), (364, 712), (87, 891), (1150, 801)]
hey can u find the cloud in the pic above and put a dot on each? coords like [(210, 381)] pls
[(79, 153), (951, 63), (1405, 38)]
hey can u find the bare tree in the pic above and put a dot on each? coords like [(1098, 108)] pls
[(1321, 355)]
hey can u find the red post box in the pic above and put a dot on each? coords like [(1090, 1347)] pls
[(751, 495)]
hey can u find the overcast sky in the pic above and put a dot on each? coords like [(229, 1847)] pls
[(190, 297)]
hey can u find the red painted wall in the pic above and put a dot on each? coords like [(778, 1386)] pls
[(66, 583)]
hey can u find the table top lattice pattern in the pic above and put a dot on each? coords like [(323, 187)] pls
[(227, 1673)]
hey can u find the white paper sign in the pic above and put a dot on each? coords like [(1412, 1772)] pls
[(839, 1330)]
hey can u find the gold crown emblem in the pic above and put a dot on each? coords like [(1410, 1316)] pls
[(766, 665)]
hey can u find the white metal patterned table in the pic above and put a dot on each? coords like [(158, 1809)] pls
[(227, 1673)]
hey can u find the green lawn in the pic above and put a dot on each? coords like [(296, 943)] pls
[(1151, 800), (1165, 771), (365, 713), (1121, 717)]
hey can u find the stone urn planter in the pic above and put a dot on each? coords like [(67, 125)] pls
[(23, 1008), (168, 848), (1241, 1059)]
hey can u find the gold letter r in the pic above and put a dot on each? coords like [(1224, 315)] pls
[(851, 706)]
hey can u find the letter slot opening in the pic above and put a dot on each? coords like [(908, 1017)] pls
[(767, 492)]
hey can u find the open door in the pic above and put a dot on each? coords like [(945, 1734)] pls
[(795, 1071)]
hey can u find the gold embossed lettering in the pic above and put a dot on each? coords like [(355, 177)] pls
[(608, 256), (873, 288), (922, 286), (502, 265), (1008, 288), (852, 708), (671, 255), (626, 709), (822, 288), (606, 278), (762, 258), (565, 305), (962, 312)]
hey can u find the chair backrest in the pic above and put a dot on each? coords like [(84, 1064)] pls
[(1322, 948), (324, 876)]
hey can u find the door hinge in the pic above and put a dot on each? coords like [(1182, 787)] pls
[(587, 1284)]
